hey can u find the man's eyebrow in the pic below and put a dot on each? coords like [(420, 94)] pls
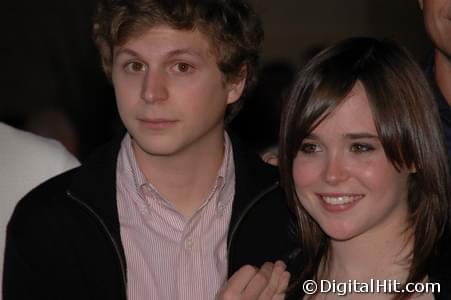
[(125, 51), (172, 53), (184, 51)]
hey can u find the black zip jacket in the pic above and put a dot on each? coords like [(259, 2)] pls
[(63, 240)]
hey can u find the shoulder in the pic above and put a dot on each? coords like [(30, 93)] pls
[(30, 148), (47, 194), (93, 182), (22, 151), (35, 216), (27, 160)]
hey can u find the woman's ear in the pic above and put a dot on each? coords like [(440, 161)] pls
[(412, 169)]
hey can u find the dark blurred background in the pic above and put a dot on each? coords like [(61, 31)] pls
[(294, 27), (51, 81)]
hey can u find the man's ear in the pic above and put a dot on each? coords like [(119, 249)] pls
[(236, 86), (420, 2)]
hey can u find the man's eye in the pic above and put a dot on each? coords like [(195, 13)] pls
[(135, 66), (309, 148), (359, 148), (183, 67)]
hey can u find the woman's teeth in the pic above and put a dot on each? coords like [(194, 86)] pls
[(340, 200)]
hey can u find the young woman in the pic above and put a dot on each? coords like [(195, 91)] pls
[(363, 164)]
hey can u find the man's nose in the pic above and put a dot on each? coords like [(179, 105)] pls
[(154, 87)]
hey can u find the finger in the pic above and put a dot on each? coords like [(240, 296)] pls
[(235, 286), (258, 283), (273, 161), (282, 287), (270, 158), (273, 287)]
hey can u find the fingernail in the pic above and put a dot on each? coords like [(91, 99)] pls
[(281, 264), (268, 265)]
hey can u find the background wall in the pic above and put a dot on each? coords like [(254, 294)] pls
[(51, 80), (294, 27)]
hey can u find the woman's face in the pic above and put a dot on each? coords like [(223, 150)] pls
[(344, 179)]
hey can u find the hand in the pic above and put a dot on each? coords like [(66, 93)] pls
[(249, 283), (271, 158)]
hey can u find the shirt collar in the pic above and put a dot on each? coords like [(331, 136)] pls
[(139, 180), (226, 173), (225, 176)]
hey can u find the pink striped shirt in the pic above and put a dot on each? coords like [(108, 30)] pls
[(168, 255)]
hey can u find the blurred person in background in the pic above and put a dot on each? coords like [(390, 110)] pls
[(437, 21), (52, 62), (26, 160)]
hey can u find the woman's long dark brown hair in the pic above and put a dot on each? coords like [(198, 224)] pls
[(407, 123)]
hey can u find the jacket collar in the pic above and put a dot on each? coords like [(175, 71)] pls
[(252, 177), (95, 183)]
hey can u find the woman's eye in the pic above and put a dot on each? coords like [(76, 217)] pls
[(359, 148), (135, 67), (309, 148)]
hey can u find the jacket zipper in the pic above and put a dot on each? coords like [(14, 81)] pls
[(247, 209), (110, 236), (116, 247)]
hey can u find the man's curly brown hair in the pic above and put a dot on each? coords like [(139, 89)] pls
[(234, 30)]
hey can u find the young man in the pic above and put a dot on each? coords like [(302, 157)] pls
[(176, 206)]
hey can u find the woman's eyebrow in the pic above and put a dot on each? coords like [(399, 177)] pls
[(312, 136), (361, 135)]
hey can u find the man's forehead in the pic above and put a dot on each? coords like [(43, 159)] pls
[(172, 41)]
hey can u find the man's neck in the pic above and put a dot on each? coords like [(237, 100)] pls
[(185, 178), (443, 74)]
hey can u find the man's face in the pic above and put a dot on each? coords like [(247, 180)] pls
[(437, 20), (170, 92)]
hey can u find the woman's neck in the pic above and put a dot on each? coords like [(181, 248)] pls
[(371, 257)]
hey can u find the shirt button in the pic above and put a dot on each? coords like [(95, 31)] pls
[(189, 244), (220, 209)]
